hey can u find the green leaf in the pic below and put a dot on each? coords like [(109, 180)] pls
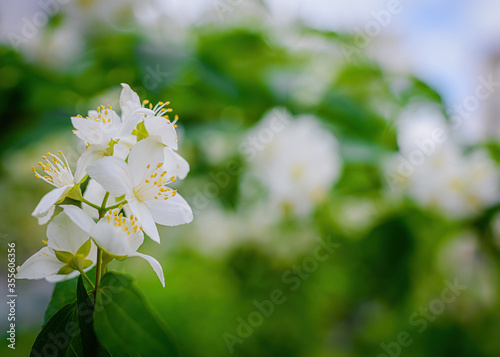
[(64, 293), (90, 345), (126, 324), (60, 336)]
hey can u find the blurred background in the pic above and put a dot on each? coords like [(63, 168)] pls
[(343, 153)]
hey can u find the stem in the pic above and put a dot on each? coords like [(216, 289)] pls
[(103, 204), (87, 278), (90, 203), (98, 273), (114, 206)]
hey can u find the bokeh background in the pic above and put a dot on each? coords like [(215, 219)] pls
[(370, 124)]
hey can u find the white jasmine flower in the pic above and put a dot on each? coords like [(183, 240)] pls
[(143, 181), (69, 249), (119, 237), (155, 118), (293, 155), (59, 175), (102, 132), (100, 126), (106, 134)]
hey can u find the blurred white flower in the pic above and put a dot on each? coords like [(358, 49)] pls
[(456, 184), (436, 172), (216, 231), (417, 125), (297, 160), (461, 257)]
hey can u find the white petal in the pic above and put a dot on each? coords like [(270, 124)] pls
[(40, 265), (114, 240), (78, 218), (121, 150), (113, 174), (90, 155), (63, 234), (129, 101), (163, 128), (143, 215), (94, 193), (46, 216), (171, 212), (45, 208), (135, 240), (116, 121), (175, 164), (146, 152), (155, 264), (91, 132), (128, 126)]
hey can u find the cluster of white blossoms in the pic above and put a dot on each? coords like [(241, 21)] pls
[(437, 172), (129, 161), (296, 159)]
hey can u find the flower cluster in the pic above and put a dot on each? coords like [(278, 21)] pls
[(436, 170), (127, 165), (297, 175)]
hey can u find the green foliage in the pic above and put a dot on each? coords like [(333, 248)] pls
[(126, 324), (69, 331), (91, 347), (64, 293), (60, 335)]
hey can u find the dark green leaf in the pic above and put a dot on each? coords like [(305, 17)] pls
[(60, 336), (90, 345), (126, 324), (64, 293)]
